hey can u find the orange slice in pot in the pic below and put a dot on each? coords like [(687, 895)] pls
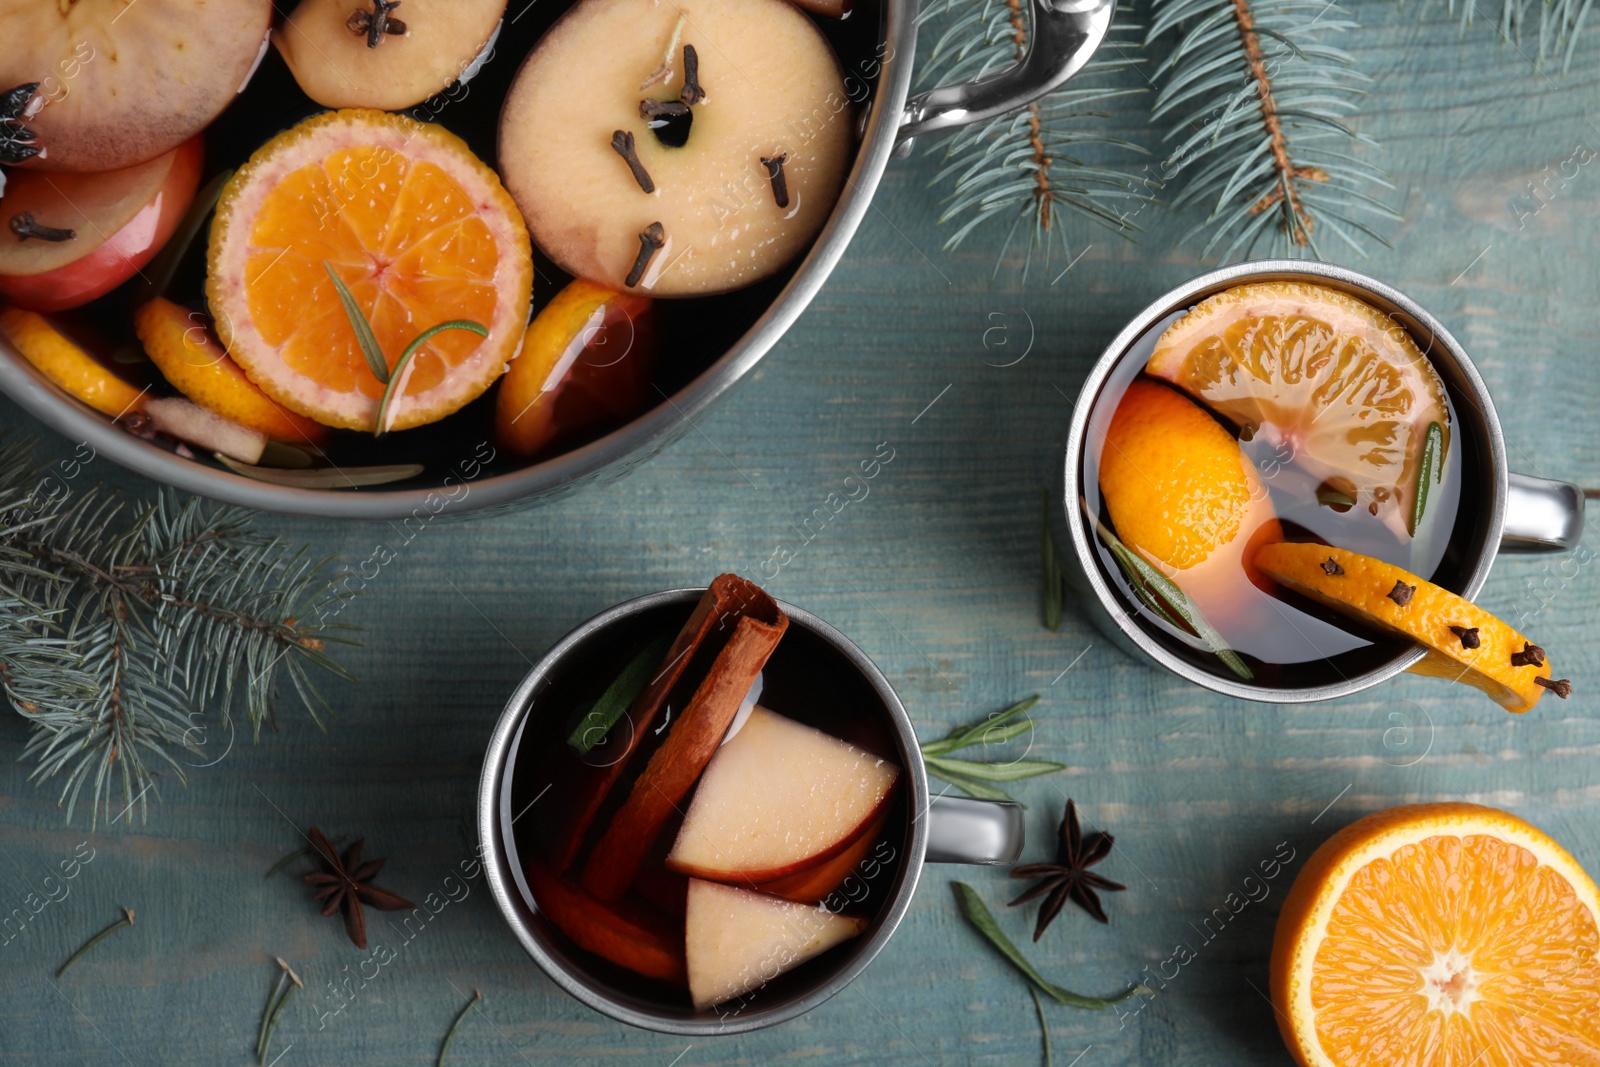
[(1464, 642), (179, 342), (585, 363), (1439, 935), (417, 228), (68, 364), (1339, 384)]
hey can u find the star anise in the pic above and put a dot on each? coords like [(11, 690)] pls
[(348, 882), (16, 140), (1069, 877)]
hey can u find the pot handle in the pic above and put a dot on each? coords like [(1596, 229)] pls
[(961, 830), (1065, 34), (1542, 516)]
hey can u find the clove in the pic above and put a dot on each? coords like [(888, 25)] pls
[(377, 22), (1560, 686), (651, 240), (692, 93), (1401, 593), (24, 226), (669, 120), (1332, 568), (1468, 635), (622, 143), (1530, 656), (780, 182)]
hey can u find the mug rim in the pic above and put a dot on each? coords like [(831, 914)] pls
[(497, 866), (1068, 481)]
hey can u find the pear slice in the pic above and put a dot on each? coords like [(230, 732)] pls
[(736, 941)]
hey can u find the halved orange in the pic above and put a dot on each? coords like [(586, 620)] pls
[(1464, 642), (1439, 935), (66, 363), (179, 342), (417, 228), (586, 362), (1328, 377)]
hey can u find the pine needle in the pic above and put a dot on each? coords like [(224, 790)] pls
[(126, 920), (1560, 22), (1256, 100), (122, 626), (1027, 170), (450, 1035)]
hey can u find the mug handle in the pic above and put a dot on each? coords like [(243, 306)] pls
[(1542, 515), (1065, 34), (962, 830)]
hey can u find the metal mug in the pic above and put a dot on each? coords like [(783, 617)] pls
[(936, 830), (1065, 33), (1515, 512)]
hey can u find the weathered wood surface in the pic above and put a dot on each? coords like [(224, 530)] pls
[(935, 573)]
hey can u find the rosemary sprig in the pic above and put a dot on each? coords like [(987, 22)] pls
[(1167, 600), (126, 920), (358, 322), (1054, 581), (394, 380), (618, 697), (276, 1002), (977, 913), (973, 776), (1428, 472), (450, 1035), (397, 381), (296, 854)]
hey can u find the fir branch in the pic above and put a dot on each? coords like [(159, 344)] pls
[(120, 628), (1031, 167), (1257, 99)]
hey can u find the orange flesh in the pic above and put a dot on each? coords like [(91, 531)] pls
[(410, 247), (1459, 952)]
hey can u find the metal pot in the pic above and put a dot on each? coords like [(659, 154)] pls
[(1065, 35)]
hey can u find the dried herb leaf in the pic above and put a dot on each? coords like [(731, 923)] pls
[(394, 383), (1155, 588), (1329, 497), (161, 270), (324, 477), (619, 696), (977, 913), (363, 328), (1428, 473)]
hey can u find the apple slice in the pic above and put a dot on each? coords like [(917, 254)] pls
[(629, 937), (736, 941), (100, 229), (812, 884), (779, 798)]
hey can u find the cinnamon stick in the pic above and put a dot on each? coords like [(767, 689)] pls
[(692, 741), (711, 621)]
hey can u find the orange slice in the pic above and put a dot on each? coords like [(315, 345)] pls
[(1184, 495), (585, 362), (1314, 371), (179, 342), (1439, 935), (65, 362), (417, 228), (1502, 663)]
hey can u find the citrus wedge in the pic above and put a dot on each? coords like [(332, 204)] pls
[(585, 362), (1182, 494), (66, 363), (1340, 385), (1439, 935), (179, 342), (416, 227), (1463, 641)]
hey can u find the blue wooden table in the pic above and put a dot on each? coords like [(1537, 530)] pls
[(936, 574)]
